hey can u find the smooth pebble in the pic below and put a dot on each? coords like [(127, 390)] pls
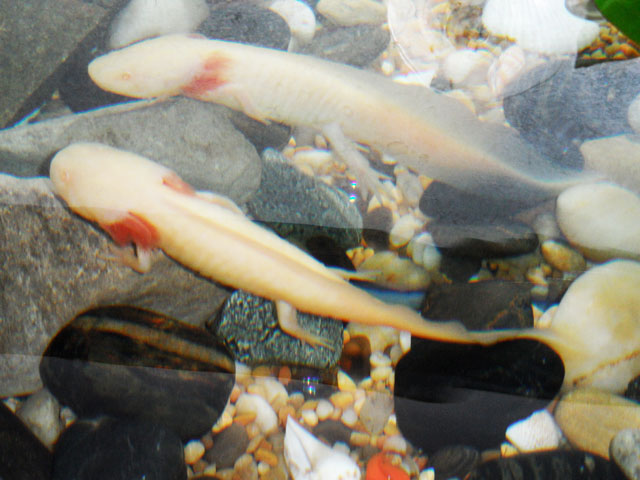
[(353, 12), (266, 417), (625, 451), (536, 432), (617, 157)]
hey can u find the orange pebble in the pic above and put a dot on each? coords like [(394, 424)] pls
[(379, 468)]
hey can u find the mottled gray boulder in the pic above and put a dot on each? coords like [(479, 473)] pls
[(196, 139), (55, 265), (37, 37)]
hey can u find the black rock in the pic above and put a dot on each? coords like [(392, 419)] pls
[(633, 389), (484, 305), (441, 201), (454, 461), (246, 23), (112, 449), (468, 394), (248, 326), (327, 251), (483, 240), (332, 431), (299, 207), (554, 465), (130, 362), (76, 88), (228, 445), (459, 269), (557, 113), (22, 455), (358, 45)]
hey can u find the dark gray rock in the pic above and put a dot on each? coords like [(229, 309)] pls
[(553, 465), (129, 363), (299, 207), (22, 456), (377, 224), (37, 37), (358, 46), (483, 240), (246, 23), (625, 451), (556, 113), (468, 394), (228, 446), (56, 265), (193, 138), (487, 305), (110, 449), (248, 326)]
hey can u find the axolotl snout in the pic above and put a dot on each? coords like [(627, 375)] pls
[(428, 132), (139, 201)]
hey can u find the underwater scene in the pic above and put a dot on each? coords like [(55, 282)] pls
[(319, 239)]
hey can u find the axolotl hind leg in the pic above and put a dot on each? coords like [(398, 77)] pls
[(288, 320)]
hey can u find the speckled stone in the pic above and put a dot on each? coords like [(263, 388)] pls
[(246, 23), (625, 451), (248, 326), (481, 305), (299, 207), (228, 445), (22, 455), (130, 363), (110, 449), (451, 394), (554, 465)]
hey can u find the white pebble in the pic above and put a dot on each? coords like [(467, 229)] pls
[(466, 67), (310, 417), (266, 417), (349, 417), (142, 19), (405, 341), (404, 230), (324, 409), (299, 17), (602, 220), (395, 443), (193, 451), (536, 432), (274, 391), (379, 359), (617, 157), (41, 412), (427, 474), (353, 12), (345, 382)]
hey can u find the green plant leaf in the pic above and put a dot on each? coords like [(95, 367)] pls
[(624, 14)]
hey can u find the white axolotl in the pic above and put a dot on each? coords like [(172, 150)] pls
[(142, 202), (426, 131)]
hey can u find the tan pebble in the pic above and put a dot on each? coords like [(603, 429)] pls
[(223, 422), (536, 276), (207, 441), (590, 418), (337, 413), (320, 142), (199, 466), (395, 443), (246, 468), (296, 400), (193, 451), (263, 371), (345, 382), (309, 405), (508, 450), (403, 231), (210, 469), (324, 409), (381, 374), (379, 359), (284, 375), (263, 469), (256, 389), (254, 443), (285, 412), (341, 399), (252, 430), (359, 439), (562, 257), (349, 417), (266, 456), (225, 474), (395, 354), (391, 427), (387, 68), (357, 405), (245, 418), (236, 391), (546, 319), (310, 417), (366, 383)]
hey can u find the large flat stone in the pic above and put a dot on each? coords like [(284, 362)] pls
[(55, 265), (37, 36)]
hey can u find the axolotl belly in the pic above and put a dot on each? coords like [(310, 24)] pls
[(428, 132), (139, 201)]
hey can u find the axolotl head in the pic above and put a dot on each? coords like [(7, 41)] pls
[(101, 183), (158, 67)]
